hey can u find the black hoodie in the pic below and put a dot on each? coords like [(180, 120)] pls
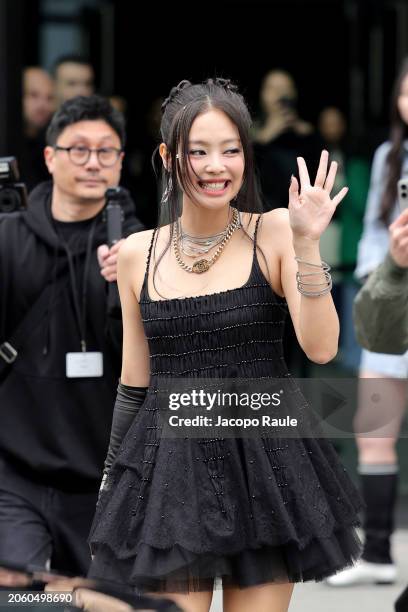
[(53, 428)]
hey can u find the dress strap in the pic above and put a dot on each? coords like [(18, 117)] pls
[(149, 253), (256, 231), (257, 275)]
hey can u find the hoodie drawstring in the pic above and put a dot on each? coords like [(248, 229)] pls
[(50, 302), (80, 307)]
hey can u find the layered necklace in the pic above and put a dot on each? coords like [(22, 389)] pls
[(195, 246)]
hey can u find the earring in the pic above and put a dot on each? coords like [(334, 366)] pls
[(167, 191)]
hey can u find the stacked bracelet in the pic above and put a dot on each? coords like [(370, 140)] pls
[(302, 285)]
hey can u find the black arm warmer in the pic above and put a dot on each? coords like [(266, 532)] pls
[(128, 402)]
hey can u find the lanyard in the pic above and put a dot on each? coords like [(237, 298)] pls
[(80, 307)]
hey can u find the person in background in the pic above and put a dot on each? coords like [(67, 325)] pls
[(73, 76), (60, 340), (380, 311), (378, 460), (339, 244), (38, 100), (280, 136), (332, 126), (38, 107)]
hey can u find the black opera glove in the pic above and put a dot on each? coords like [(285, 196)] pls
[(127, 405)]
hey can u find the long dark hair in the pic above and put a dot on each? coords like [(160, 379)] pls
[(184, 104), (398, 132)]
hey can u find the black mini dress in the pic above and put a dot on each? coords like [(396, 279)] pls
[(180, 514)]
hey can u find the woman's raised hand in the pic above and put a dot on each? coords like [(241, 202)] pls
[(310, 210)]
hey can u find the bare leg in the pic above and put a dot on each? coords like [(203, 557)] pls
[(263, 598), (189, 602), (377, 423)]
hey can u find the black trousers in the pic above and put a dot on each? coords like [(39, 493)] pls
[(42, 525)]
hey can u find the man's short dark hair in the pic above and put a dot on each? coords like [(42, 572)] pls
[(85, 108), (70, 58)]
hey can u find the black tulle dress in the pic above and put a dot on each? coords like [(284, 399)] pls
[(181, 513)]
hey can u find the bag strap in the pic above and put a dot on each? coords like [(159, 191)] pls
[(10, 348)]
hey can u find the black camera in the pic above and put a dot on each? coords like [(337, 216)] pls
[(13, 194)]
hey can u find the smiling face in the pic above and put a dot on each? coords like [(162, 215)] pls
[(89, 182), (216, 162)]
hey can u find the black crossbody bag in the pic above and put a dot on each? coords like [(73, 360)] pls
[(10, 348)]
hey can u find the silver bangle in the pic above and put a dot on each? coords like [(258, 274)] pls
[(323, 266), (325, 291), (313, 294), (302, 274), (300, 281)]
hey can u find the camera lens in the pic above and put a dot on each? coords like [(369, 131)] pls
[(9, 200)]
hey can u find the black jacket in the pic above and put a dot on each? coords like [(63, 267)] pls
[(52, 428)]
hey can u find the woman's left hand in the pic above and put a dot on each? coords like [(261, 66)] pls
[(310, 210)]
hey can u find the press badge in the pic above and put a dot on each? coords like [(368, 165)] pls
[(84, 364)]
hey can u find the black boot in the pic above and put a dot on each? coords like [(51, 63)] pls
[(380, 495)]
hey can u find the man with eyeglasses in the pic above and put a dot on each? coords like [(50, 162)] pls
[(60, 341)]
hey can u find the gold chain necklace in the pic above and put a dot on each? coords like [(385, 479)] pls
[(202, 265)]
